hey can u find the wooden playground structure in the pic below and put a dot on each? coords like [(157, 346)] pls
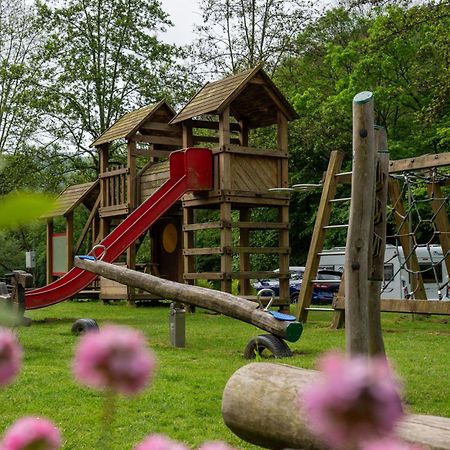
[(393, 193), (221, 115)]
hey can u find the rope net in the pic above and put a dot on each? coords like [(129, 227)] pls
[(418, 235)]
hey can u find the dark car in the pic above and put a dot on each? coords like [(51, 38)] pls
[(326, 284)]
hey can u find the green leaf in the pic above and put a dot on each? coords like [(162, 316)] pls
[(19, 208)]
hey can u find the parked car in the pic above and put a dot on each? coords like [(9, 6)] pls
[(323, 292)]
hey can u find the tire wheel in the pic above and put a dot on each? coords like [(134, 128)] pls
[(273, 344), (294, 299), (81, 326)]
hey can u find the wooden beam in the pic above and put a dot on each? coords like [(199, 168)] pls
[(260, 404), (420, 162), (406, 306), (87, 225)]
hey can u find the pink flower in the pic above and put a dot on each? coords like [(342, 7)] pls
[(10, 356), (356, 400), (390, 444), (159, 442), (114, 358), (31, 433), (215, 445)]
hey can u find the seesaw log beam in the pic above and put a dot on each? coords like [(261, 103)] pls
[(260, 405), (222, 302)]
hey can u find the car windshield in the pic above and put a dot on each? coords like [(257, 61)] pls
[(328, 276)]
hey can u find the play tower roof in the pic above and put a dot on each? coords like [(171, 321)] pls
[(251, 96), (131, 122)]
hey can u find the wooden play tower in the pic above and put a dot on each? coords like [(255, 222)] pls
[(222, 116), (223, 113)]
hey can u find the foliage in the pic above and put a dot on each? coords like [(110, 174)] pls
[(237, 35), (106, 59), (399, 52), (20, 72)]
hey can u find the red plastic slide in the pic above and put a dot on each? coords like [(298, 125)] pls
[(190, 170)]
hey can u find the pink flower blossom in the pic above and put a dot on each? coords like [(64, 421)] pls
[(355, 400), (114, 358), (10, 356), (215, 445), (159, 442), (390, 444), (31, 433)]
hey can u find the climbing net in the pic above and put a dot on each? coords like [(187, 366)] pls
[(418, 233)]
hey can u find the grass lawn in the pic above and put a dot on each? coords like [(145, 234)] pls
[(185, 398)]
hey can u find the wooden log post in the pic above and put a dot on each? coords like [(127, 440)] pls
[(360, 226), (222, 302), (260, 405), (376, 274)]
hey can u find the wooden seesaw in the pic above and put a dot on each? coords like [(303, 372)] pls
[(281, 327)]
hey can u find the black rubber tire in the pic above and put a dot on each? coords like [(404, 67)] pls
[(294, 299), (270, 342), (81, 326)]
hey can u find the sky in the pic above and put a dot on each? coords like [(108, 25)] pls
[(183, 13)]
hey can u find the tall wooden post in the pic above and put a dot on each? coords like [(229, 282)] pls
[(132, 203), (283, 214), (360, 226), (225, 207), (376, 274), (103, 165), (244, 258)]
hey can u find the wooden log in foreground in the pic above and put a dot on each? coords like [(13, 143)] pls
[(222, 302), (260, 405)]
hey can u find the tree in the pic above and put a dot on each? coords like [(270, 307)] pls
[(239, 34), (106, 59), (20, 69)]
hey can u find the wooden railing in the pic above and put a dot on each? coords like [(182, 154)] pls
[(114, 185)]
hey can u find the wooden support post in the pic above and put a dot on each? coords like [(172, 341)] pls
[(282, 134), (318, 236), (283, 242), (224, 157), (402, 223), (243, 133), (132, 203), (360, 226), (49, 262), (103, 166), (226, 257), (244, 258), (376, 273), (440, 218), (260, 404), (69, 236), (188, 242), (187, 140)]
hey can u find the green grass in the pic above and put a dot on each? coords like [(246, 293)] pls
[(185, 398)]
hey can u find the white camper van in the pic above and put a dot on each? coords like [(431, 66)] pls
[(397, 280)]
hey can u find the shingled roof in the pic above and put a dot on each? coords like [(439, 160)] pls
[(251, 95), (72, 196), (130, 123)]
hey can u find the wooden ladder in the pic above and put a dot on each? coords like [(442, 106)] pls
[(332, 179)]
